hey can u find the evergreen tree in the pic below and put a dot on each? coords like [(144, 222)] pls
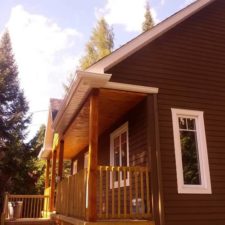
[(148, 23), (32, 171), (13, 117), (100, 44), (66, 86)]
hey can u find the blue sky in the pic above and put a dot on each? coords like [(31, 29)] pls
[(48, 38)]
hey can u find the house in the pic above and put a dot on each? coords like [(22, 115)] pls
[(144, 129)]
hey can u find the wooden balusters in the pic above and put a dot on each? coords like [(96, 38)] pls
[(33, 206), (123, 192), (71, 195)]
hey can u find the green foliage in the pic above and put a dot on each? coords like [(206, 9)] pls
[(148, 23), (19, 169), (100, 44), (190, 160), (13, 117), (36, 167)]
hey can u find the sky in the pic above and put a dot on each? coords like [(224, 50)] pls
[(49, 36)]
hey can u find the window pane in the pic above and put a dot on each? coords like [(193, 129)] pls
[(117, 151), (190, 161), (124, 149), (182, 123), (191, 124)]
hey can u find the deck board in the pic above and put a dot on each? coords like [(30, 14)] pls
[(30, 221), (70, 220)]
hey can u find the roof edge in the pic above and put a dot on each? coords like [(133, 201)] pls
[(82, 80), (145, 38)]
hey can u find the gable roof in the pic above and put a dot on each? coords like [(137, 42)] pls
[(147, 37)]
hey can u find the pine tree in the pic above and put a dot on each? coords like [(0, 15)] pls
[(100, 44), (148, 23), (13, 117)]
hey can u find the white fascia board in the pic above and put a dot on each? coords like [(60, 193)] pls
[(145, 38), (81, 87), (44, 153), (131, 88)]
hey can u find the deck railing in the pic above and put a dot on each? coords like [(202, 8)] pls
[(123, 193), (71, 195), (26, 206)]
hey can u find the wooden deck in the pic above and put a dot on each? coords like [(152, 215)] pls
[(65, 220), (30, 221), (116, 198)]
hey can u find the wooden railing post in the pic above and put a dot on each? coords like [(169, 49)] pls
[(4, 213), (93, 158), (61, 155), (47, 173), (54, 154)]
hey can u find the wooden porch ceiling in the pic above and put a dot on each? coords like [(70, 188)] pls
[(113, 105)]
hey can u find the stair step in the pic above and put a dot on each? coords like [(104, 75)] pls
[(30, 221)]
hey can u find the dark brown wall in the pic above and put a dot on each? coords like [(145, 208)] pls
[(188, 66), (80, 160), (137, 137)]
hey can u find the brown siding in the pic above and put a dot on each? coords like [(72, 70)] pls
[(80, 160), (187, 65), (137, 137)]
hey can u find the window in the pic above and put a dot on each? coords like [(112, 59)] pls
[(75, 167), (119, 151), (86, 160), (191, 152)]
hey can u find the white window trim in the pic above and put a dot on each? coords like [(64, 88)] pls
[(119, 130), (205, 187), (75, 167), (86, 160)]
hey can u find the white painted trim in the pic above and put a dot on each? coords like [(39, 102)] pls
[(44, 153), (115, 133), (86, 160), (83, 83), (205, 187), (75, 167), (147, 37), (81, 86), (131, 88)]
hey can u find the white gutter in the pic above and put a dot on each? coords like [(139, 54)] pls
[(82, 85)]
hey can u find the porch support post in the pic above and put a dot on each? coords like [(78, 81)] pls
[(93, 158), (61, 156), (47, 173), (154, 159), (54, 155)]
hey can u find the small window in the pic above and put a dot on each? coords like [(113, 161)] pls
[(191, 152), (75, 167), (86, 160), (119, 152)]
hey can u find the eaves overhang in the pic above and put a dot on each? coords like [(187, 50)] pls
[(44, 153), (81, 87)]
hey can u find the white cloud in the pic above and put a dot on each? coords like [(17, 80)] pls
[(128, 13), (162, 2), (42, 52)]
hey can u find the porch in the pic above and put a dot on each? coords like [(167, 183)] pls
[(105, 189), (128, 199)]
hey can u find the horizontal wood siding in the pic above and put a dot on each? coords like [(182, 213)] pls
[(188, 66), (137, 138)]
